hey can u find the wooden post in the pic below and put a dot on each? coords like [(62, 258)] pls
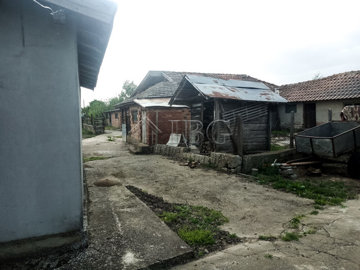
[(269, 128), (157, 126), (216, 117), (330, 115), (292, 119)]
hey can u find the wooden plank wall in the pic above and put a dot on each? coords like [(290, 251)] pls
[(255, 119)]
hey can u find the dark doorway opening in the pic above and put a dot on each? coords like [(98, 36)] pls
[(309, 115)]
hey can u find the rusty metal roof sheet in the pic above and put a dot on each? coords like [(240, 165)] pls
[(336, 87), (173, 79), (156, 102), (233, 89)]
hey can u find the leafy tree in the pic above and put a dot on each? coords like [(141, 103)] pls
[(97, 108), (128, 89)]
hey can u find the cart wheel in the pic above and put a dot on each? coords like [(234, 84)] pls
[(354, 165)]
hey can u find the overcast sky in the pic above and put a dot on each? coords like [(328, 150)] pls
[(276, 41)]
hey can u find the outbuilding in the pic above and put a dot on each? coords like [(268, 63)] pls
[(234, 112), (311, 100)]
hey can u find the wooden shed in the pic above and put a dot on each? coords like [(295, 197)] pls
[(243, 107)]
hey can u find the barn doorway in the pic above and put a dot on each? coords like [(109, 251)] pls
[(309, 115)]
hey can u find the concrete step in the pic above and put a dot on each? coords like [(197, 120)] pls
[(125, 233)]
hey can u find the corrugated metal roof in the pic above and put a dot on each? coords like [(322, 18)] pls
[(233, 89), (231, 83), (156, 102), (172, 80)]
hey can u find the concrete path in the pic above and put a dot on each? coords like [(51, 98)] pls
[(252, 209), (123, 232), (335, 245)]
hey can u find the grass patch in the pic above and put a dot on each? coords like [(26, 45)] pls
[(290, 236), (318, 207), (197, 237), (87, 134), (315, 212), (111, 128), (295, 222), (267, 238), (276, 147), (110, 138), (311, 231), (198, 216), (198, 226), (321, 191), (268, 256), (86, 159), (118, 137)]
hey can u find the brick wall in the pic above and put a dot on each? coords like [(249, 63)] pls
[(135, 131), (164, 123), (116, 122)]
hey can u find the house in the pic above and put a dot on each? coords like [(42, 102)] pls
[(147, 115), (233, 109), (311, 100), (47, 51)]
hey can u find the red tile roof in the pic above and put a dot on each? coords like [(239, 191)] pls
[(336, 87)]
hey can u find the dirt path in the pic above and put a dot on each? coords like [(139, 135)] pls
[(252, 209)]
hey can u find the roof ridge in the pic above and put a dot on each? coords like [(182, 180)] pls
[(195, 72), (323, 78), (345, 85)]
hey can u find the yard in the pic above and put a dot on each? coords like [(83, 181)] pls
[(275, 229), (255, 210)]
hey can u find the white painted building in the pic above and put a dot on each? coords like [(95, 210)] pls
[(311, 100)]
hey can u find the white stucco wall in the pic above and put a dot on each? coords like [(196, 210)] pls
[(286, 117), (336, 106), (40, 136), (323, 107)]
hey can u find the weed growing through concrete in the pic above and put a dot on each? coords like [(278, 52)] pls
[(311, 231), (110, 138), (268, 256), (290, 236), (296, 221), (315, 212), (86, 159), (322, 192), (267, 238)]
